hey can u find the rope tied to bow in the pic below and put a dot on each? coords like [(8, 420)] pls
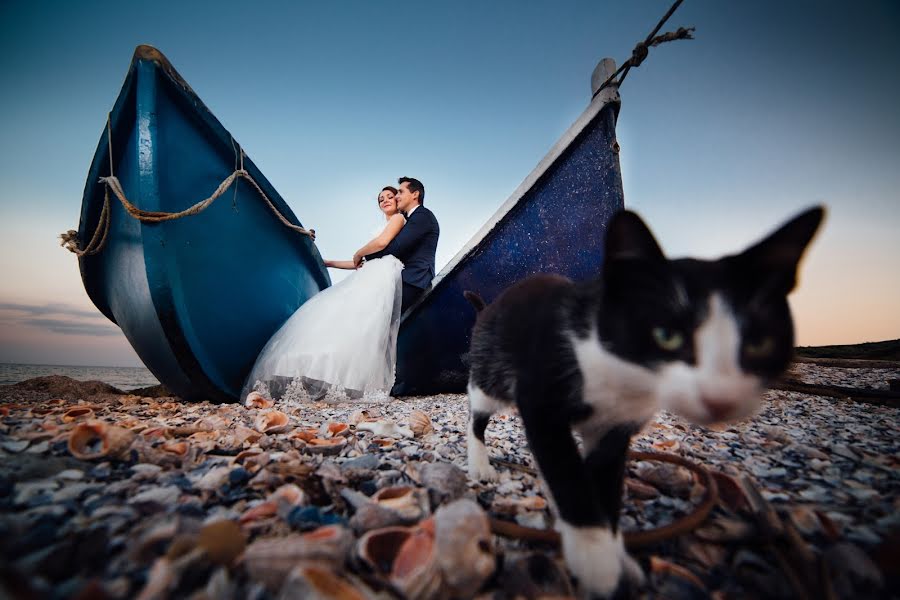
[(69, 239), (642, 49)]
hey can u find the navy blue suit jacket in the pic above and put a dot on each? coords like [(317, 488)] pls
[(415, 247)]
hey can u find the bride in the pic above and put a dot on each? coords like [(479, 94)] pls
[(342, 343)]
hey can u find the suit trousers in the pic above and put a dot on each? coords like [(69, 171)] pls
[(411, 293)]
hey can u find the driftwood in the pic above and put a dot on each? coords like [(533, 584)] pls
[(849, 363), (632, 539), (800, 564), (881, 397)]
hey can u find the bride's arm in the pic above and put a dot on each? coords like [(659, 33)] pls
[(340, 264), (380, 242)]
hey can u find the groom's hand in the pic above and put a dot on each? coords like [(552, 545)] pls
[(357, 260)]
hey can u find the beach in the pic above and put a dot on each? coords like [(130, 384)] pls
[(228, 501)]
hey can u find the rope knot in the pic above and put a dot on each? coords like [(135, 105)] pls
[(69, 241), (639, 53)]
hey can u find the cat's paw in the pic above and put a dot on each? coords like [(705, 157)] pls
[(597, 557), (480, 469)]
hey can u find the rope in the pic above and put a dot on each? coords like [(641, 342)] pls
[(69, 239), (632, 539), (642, 49)]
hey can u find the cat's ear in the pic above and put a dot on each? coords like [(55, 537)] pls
[(629, 237), (779, 254)]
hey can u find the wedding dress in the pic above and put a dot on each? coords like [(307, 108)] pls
[(341, 344)]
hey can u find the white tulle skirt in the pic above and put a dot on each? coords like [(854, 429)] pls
[(340, 345)]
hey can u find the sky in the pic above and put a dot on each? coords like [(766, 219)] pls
[(774, 107)]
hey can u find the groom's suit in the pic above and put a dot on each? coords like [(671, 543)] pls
[(415, 246)]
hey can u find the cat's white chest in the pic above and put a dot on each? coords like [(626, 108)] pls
[(620, 392)]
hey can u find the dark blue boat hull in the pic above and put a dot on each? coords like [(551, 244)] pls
[(555, 223), (197, 297)]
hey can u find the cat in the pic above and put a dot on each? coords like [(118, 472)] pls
[(700, 338)]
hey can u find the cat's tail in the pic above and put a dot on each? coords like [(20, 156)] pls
[(475, 300)]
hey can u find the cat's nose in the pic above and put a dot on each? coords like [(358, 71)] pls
[(717, 408)]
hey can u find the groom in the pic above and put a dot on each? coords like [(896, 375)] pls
[(415, 245)]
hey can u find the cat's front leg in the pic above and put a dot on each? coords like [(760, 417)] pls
[(592, 547), (597, 557)]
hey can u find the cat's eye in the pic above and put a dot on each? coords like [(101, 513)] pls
[(668, 339), (760, 348)]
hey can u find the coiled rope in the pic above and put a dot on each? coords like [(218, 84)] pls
[(69, 239), (642, 49)]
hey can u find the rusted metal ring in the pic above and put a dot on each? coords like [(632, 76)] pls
[(632, 539)]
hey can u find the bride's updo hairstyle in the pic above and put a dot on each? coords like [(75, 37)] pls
[(389, 188)]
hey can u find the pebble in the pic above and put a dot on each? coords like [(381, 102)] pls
[(828, 465), (157, 495)]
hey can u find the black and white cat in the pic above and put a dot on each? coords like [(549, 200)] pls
[(696, 337)]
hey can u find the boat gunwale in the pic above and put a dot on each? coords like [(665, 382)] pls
[(609, 96), (148, 53)]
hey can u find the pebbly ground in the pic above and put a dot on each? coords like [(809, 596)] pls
[(111, 526)]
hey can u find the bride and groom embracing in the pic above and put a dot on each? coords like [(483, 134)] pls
[(342, 343)]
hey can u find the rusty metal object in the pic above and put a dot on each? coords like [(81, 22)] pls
[(633, 539)]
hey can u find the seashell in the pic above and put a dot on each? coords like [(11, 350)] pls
[(639, 489), (305, 434), (320, 583), (709, 556), (213, 480), (830, 529), (405, 500), (263, 510), (724, 530), (359, 416), (223, 541), (669, 478), (334, 429), (132, 423), (805, 519), (731, 493), (371, 516), (159, 580), (383, 443), (291, 467), (252, 460), (405, 556), (415, 569), (245, 434), (420, 423), (445, 482), (176, 448), (96, 439), (666, 445), (272, 421), (269, 560), (659, 566), (385, 429), (464, 547), (266, 479), (286, 498), (154, 432), (78, 413), (257, 400), (533, 503), (328, 446)]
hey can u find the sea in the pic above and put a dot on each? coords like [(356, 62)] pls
[(124, 378)]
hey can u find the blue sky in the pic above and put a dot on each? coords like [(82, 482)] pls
[(773, 107)]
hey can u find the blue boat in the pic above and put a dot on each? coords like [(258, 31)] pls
[(555, 222), (199, 296)]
